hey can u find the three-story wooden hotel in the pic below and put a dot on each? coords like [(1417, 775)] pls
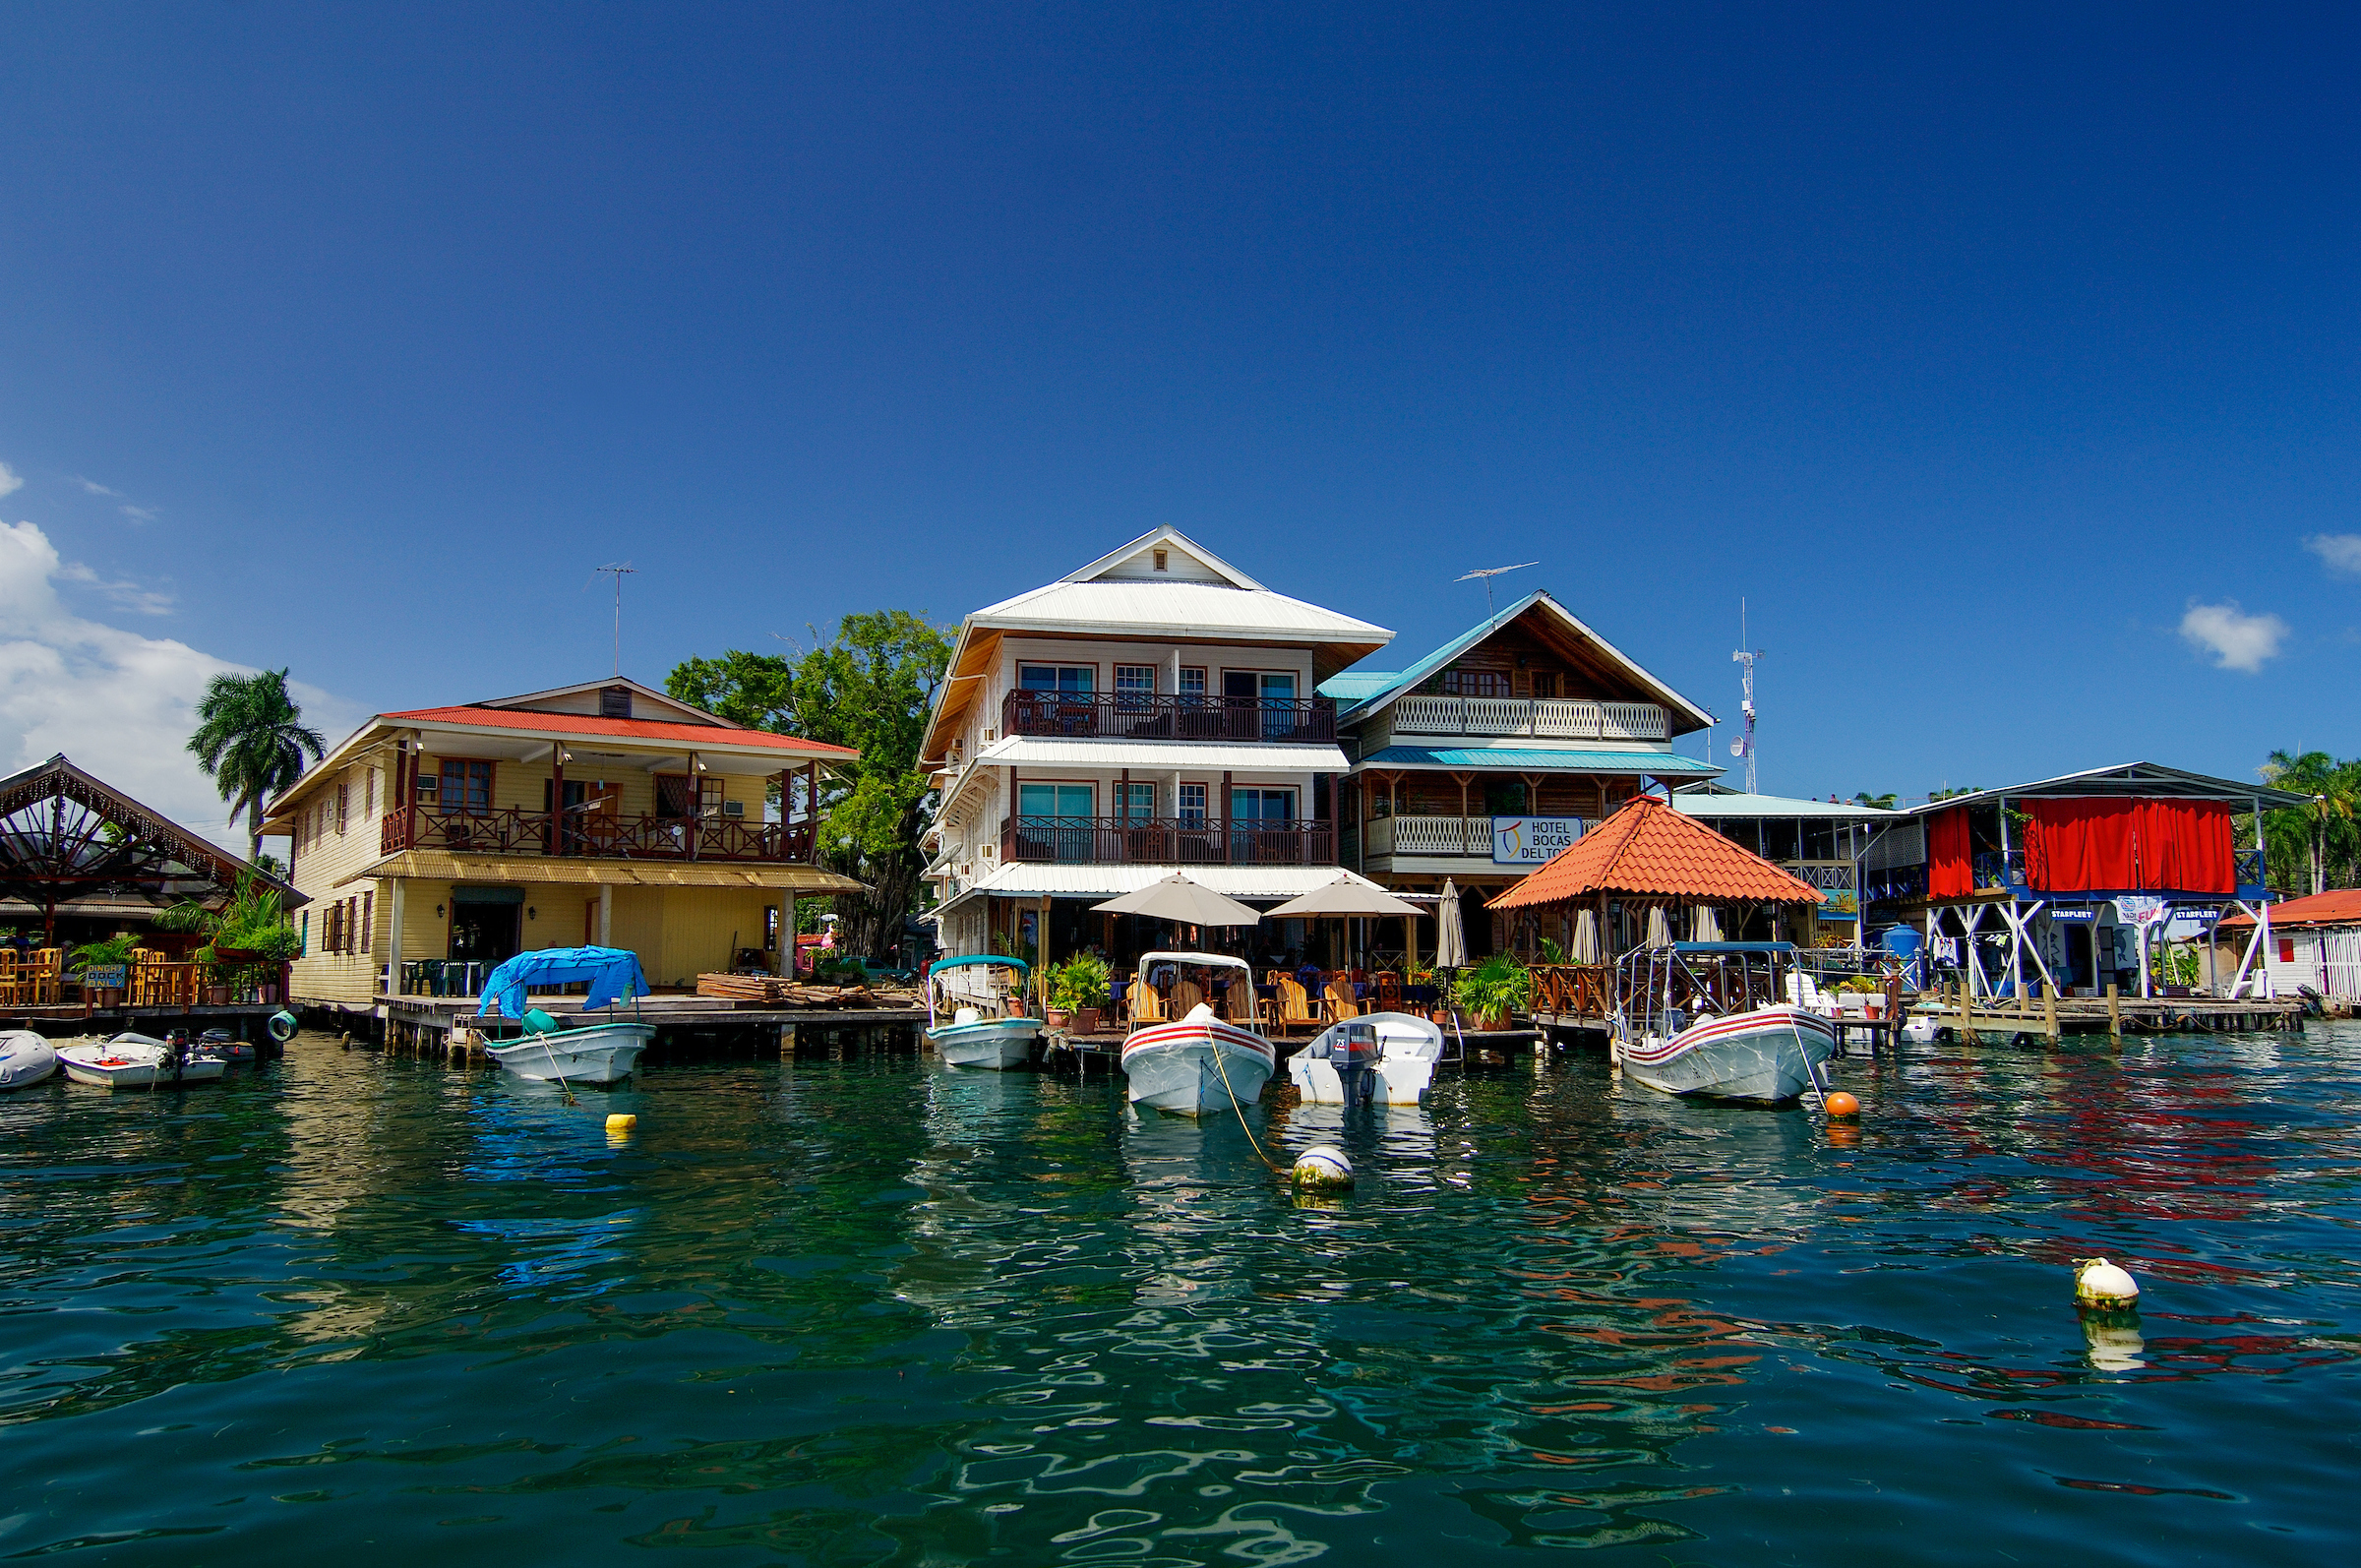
[(434, 843)]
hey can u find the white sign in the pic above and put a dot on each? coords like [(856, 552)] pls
[(1531, 840)]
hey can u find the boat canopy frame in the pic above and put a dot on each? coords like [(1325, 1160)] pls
[(1725, 976)]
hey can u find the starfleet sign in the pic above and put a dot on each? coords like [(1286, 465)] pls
[(1532, 840)]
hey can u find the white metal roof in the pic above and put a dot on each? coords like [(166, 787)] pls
[(1737, 803), (1021, 880), (1151, 756), (1198, 611)]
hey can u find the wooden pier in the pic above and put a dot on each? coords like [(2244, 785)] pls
[(445, 1026), (2053, 1018)]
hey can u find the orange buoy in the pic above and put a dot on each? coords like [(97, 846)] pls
[(1842, 1103)]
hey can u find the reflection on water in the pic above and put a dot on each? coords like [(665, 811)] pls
[(874, 1312)]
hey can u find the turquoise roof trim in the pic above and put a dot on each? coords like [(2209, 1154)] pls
[(1657, 764), (1354, 685)]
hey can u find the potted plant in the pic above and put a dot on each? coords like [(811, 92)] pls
[(109, 958), (1492, 991), (1083, 987)]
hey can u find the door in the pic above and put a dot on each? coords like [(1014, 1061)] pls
[(1262, 827), (484, 936), (1055, 822)]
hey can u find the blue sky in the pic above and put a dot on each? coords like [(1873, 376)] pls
[(2002, 359)]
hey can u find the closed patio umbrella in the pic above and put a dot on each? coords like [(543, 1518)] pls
[(1181, 898), (1450, 939), (1660, 930), (1585, 937), (1707, 926)]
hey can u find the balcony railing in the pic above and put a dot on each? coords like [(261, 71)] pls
[(1994, 869), (511, 831), (1168, 717), (2248, 863), (1436, 835), (1165, 841), (1547, 718)]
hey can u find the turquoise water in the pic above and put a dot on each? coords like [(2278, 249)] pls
[(874, 1312)]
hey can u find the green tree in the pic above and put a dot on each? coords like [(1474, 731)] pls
[(2323, 824), (252, 739), (869, 689), (1883, 803)]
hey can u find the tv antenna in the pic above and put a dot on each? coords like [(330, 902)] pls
[(1743, 745), (621, 570), (1487, 574)]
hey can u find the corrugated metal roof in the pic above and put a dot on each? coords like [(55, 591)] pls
[(1739, 804), (2339, 906), (1354, 685), (706, 735), (1657, 764), (1648, 851), (2151, 780), (1149, 757), (1021, 880), (1196, 610)]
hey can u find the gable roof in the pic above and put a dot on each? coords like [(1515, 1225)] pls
[(535, 721), (1207, 598), (151, 855), (1540, 600), (1649, 850), (2339, 906), (2136, 780), (688, 712)]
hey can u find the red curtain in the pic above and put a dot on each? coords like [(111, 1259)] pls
[(1948, 872), (2080, 846)]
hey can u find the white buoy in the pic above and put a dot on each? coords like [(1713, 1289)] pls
[(1323, 1166), (2100, 1284)]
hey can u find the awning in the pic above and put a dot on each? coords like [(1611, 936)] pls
[(1533, 760), (1155, 756), (582, 871), (1109, 881)]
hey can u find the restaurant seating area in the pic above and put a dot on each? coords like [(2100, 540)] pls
[(1285, 1004), (35, 978)]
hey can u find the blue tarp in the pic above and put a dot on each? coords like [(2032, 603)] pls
[(613, 973)]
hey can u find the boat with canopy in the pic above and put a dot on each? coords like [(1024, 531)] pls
[(983, 993), (604, 1050), (1199, 1058), (1711, 1019)]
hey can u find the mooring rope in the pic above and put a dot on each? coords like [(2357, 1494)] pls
[(1216, 1044)]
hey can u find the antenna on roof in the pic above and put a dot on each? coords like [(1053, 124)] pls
[(621, 570), (1487, 574), (1743, 745)]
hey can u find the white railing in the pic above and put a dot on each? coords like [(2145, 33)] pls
[(1559, 719), (1435, 835)]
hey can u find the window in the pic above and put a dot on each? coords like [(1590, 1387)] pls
[(1544, 684), (1262, 805), (1054, 800), (674, 796), (1475, 683), (368, 794), (466, 786), (1161, 561), (1070, 679), (2286, 949), (1504, 797), (1190, 807), (303, 935), (368, 920), (1137, 803), (1193, 679), (1135, 679), (343, 800), (615, 702)]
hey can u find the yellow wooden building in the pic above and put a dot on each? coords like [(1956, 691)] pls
[(433, 844)]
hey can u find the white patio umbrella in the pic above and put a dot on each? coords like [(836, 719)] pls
[(1708, 925), (1585, 937), (1346, 895), (1450, 940), (1659, 931), (1184, 899)]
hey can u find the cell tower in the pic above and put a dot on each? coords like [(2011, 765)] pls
[(1743, 745)]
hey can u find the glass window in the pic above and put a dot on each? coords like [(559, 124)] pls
[(1191, 805), (1779, 839), (1819, 840), (1137, 803), (1475, 683), (1134, 680), (1262, 805), (1080, 679), (466, 786), (1193, 681), (1544, 685), (1054, 800)]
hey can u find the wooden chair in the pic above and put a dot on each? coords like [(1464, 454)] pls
[(1291, 1008), (48, 975), (1340, 1004), (1186, 995), (1389, 990), (1144, 1006)]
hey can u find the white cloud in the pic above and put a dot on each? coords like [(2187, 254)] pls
[(130, 595), (9, 480), (118, 703), (2341, 551), (94, 488), (2237, 640), (138, 513)]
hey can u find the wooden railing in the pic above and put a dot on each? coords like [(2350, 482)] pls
[(1165, 841), (1551, 718), (1168, 717), (512, 831), (1578, 991)]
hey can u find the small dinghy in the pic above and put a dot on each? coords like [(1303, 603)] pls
[(1200, 1060), (218, 1043), (25, 1059), (1703, 1019), (137, 1061), (984, 995), (1407, 1050), (593, 1051)]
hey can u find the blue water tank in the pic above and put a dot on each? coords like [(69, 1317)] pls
[(1904, 941)]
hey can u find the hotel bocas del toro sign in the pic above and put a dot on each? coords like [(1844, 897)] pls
[(1532, 840)]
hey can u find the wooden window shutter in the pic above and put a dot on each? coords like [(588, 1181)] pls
[(369, 795), (343, 798), (368, 920)]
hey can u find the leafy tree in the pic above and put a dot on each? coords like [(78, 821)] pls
[(869, 689), (252, 739), (2322, 830), (1883, 803)]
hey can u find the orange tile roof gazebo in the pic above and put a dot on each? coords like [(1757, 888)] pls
[(1648, 852)]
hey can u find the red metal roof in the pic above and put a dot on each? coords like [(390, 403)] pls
[(1649, 850), (2339, 906), (634, 728)]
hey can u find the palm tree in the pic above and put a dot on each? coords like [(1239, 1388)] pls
[(252, 739), (2332, 788), (1883, 803)]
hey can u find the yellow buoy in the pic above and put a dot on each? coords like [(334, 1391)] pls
[(622, 1124), (2100, 1284)]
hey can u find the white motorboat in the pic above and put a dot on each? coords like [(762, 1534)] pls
[(1702, 1019), (594, 1052), (25, 1059), (987, 1027), (1198, 1062), (136, 1061), (1407, 1050)]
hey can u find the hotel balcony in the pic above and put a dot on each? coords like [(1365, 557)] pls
[(1433, 837), (510, 832), (1541, 718), (1165, 841), (1168, 717)]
